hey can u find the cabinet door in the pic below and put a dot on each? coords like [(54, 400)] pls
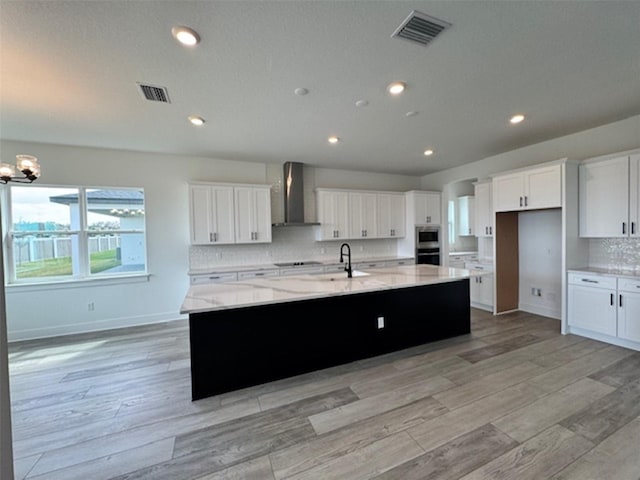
[(384, 215), (363, 216), (629, 316), (391, 215), (634, 196), (420, 208), (333, 215), (432, 208), (253, 215), (223, 223), (592, 309), (486, 290), (484, 210), (543, 188), (262, 217), (604, 198), (508, 192), (200, 215), (397, 215)]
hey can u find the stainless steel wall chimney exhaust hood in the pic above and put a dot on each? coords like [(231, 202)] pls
[(293, 196)]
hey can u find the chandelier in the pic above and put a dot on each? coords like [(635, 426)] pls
[(26, 164)]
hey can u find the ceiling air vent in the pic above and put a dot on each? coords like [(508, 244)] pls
[(155, 94), (420, 28)]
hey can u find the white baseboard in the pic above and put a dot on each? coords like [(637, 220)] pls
[(87, 327), (539, 310)]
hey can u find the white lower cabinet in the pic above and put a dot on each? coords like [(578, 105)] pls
[(629, 309), (605, 305), (592, 303), (481, 285)]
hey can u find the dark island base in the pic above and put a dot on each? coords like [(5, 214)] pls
[(236, 348)]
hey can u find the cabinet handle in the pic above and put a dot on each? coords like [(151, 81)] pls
[(620, 300), (215, 237), (210, 237), (633, 228), (526, 201), (490, 230), (624, 228), (611, 301), (480, 279), (486, 230), (520, 201), (589, 281)]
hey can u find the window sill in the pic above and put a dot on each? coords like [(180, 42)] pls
[(78, 283)]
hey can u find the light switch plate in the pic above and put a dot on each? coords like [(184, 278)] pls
[(380, 322)]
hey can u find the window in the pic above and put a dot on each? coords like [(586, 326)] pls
[(451, 210), (74, 233)]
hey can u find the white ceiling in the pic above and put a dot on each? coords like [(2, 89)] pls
[(69, 71)]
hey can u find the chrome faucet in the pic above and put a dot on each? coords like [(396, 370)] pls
[(347, 267)]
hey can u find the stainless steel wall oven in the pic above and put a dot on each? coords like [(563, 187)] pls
[(428, 245)]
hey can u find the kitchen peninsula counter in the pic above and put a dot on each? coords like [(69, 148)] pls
[(253, 331)]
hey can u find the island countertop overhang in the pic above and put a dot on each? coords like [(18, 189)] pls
[(264, 291)]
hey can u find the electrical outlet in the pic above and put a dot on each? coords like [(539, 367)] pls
[(361, 248), (380, 322), (322, 251), (91, 306)]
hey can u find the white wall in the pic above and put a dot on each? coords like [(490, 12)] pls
[(540, 261), (610, 138), (164, 179)]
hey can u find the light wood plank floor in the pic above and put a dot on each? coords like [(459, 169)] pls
[(513, 400)]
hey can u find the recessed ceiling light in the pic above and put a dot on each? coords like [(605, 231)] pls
[(333, 139), (428, 152), (396, 88), (186, 36), (517, 118), (197, 121), (301, 91), (412, 113), (362, 103)]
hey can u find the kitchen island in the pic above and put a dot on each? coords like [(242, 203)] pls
[(250, 332)]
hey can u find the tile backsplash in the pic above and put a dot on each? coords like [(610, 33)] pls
[(289, 244), (615, 254)]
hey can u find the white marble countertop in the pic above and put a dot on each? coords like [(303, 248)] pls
[(606, 272), (262, 291), (271, 266)]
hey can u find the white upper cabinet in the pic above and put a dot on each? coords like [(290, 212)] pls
[(253, 214), (610, 197), (333, 214), (391, 215), (425, 206), (212, 214), (530, 189), (363, 215), (484, 210), (466, 215), (225, 214)]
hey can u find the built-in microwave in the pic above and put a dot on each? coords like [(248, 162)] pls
[(428, 245)]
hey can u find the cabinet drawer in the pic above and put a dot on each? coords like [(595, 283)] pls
[(339, 267), (369, 265), (628, 285), (396, 263), (301, 271), (257, 274), (213, 278), (595, 281)]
